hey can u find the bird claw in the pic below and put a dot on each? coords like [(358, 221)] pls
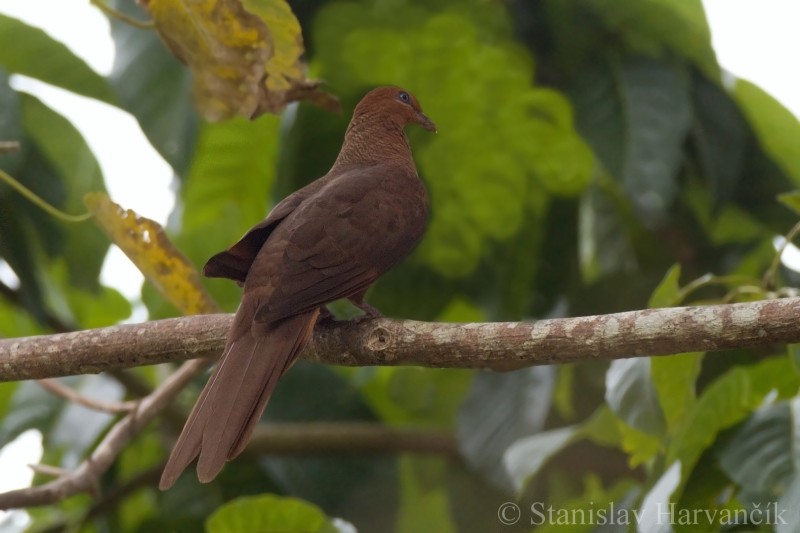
[(370, 312)]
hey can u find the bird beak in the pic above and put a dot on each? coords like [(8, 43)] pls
[(425, 122)]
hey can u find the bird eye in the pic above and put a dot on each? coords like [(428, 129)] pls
[(403, 96)]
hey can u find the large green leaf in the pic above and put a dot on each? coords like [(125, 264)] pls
[(657, 112), (227, 190), (776, 127), (17, 234), (667, 293), (499, 410), (632, 396), (656, 502), (424, 504), (79, 173), (599, 113), (788, 508), (605, 243), (268, 513), (650, 26), (759, 455), (30, 51), (726, 401), (340, 485), (527, 456), (720, 138), (636, 113), (674, 379), (10, 126)]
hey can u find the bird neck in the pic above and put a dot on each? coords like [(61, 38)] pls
[(368, 142)]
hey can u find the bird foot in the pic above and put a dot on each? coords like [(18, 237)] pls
[(370, 312)]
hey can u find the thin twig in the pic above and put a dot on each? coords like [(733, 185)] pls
[(768, 281), (139, 388), (86, 475), (8, 147), (48, 470), (36, 200), (68, 394)]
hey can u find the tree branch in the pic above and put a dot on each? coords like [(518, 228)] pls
[(502, 346), (70, 395), (498, 346), (85, 477)]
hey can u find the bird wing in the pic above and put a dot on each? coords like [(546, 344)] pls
[(234, 263), (339, 241)]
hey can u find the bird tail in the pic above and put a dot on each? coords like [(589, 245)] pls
[(230, 406)]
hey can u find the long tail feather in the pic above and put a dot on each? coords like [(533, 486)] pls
[(235, 396)]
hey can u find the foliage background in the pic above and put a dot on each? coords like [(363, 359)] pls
[(592, 158)]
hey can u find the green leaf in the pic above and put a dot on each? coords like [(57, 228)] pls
[(527, 456), (729, 223), (424, 506), (720, 136), (66, 150), (791, 200), (154, 87), (657, 111), (776, 127), (268, 514), (24, 229), (599, 113), (650, 26), (759, 455), (656, 501), (668, 291), (640, 446), (631, 394), (338, 484), (30, 51), (596, 507), (227, 190), (787, 506), (603, 428), (416, 395), (674, 379), (775, 375), (7, 391), (794, 355), (104, 307), (605, 245), (725, 402), (10, 126), (485, 432), (636, 113)]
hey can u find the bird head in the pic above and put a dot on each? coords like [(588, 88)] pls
[(395, 104)]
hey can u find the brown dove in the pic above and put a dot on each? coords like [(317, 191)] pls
[(329, 240)]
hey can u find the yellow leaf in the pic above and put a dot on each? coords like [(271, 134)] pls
[(145, 243), (244, 56)]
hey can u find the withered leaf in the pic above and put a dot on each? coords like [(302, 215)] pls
[(245, 56), (145, 243)]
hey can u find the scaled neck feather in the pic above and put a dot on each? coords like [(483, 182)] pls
[(372, 139)]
